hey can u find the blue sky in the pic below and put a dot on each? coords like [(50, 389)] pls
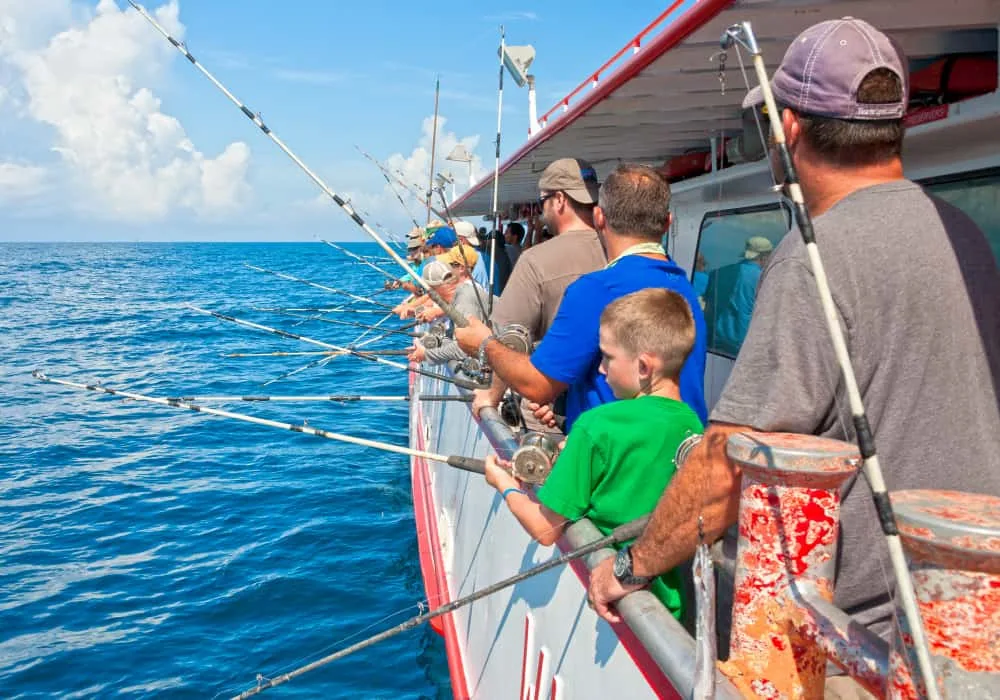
[(107, 133)]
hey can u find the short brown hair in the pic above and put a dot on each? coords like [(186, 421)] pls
[(858, 142), (655, 320), (635, 200)]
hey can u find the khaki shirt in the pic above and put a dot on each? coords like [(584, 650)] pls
[(535, 289)]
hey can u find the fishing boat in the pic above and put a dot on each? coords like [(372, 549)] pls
[(671, 98)]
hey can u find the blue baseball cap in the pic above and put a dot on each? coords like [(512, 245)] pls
[(444, 237)]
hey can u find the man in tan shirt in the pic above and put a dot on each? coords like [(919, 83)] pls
[(568, 191)]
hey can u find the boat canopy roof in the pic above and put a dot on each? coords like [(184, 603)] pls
[(661, 95)]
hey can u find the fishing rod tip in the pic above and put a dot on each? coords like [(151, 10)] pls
[(39, 375)]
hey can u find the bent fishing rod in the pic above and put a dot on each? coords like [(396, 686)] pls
[(333, 321), (361, 260), (411, 189), (334, 290), (335, 398), (452, 313), (620, 534), (469, 464), (315, 353), (743, 35), (457, 381)]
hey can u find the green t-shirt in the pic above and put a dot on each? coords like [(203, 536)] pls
[(618, 459)]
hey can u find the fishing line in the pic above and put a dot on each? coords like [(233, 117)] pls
[(340, 201), (295, 336), (334, 290)]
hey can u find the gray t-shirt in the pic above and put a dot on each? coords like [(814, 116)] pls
[(536, 286), (918, 293), (467, 304)]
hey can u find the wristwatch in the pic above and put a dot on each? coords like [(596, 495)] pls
[(623, 570)]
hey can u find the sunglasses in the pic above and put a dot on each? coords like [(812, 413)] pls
[(542, 198)]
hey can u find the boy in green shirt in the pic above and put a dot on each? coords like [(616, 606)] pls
[(619, 457)]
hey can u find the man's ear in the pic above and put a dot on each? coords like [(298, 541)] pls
[(793, 129), (599, 220)]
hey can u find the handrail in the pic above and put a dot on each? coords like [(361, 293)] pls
[(663, 637), (594, 78)]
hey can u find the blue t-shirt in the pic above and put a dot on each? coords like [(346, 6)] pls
[(570, 351), (480, 274), (733, 319), (419, 269)]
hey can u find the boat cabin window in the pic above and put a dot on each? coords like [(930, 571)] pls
[(733, 247), (978, 195)]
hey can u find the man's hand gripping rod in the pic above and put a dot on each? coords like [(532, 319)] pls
[(743, 35)]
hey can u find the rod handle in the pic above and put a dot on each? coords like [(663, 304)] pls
[(469, 464)]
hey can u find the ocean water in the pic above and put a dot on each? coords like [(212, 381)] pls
[(150, 551)]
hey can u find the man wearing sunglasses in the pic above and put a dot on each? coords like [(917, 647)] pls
[(568, 193)]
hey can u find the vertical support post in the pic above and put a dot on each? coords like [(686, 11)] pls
[(434, 137), (952, 546), (788, 525)]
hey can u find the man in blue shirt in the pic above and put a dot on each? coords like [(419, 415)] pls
[(633, 212)]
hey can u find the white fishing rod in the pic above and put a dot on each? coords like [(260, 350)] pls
[(335, 398), (452, 313), (360, 259), (316, 285), (412, 190), (457, 381), (496, 172), (465, 463), (743, 35)]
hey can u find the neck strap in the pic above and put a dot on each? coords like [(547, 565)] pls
[(648, 248)]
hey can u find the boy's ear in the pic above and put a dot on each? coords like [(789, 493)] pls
[(647, 365)]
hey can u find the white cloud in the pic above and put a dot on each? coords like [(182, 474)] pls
[(83, 72), (19, 181)]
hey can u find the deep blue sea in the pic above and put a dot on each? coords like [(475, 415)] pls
[(150, 551)]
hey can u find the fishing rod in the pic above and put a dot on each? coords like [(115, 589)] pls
[(620, 534), (469, 464), (453, 314), (327, 353), (743, 35), (361, 260), (336, 398), (457, 381), (292, 278), (496, 170), (390, 331), (314, 309), (411, 189)]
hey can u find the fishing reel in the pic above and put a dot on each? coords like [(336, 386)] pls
[(472, 368), (510, 410), (516, 337), (434, 337), (532, 461)]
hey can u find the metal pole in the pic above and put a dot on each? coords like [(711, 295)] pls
[(743, 33), (434, 135), (496, 172)]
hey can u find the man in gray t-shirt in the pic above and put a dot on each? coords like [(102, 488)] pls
[(917, 292)]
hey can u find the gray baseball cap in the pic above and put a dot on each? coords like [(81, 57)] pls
[(574, 176), (824, 66)]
